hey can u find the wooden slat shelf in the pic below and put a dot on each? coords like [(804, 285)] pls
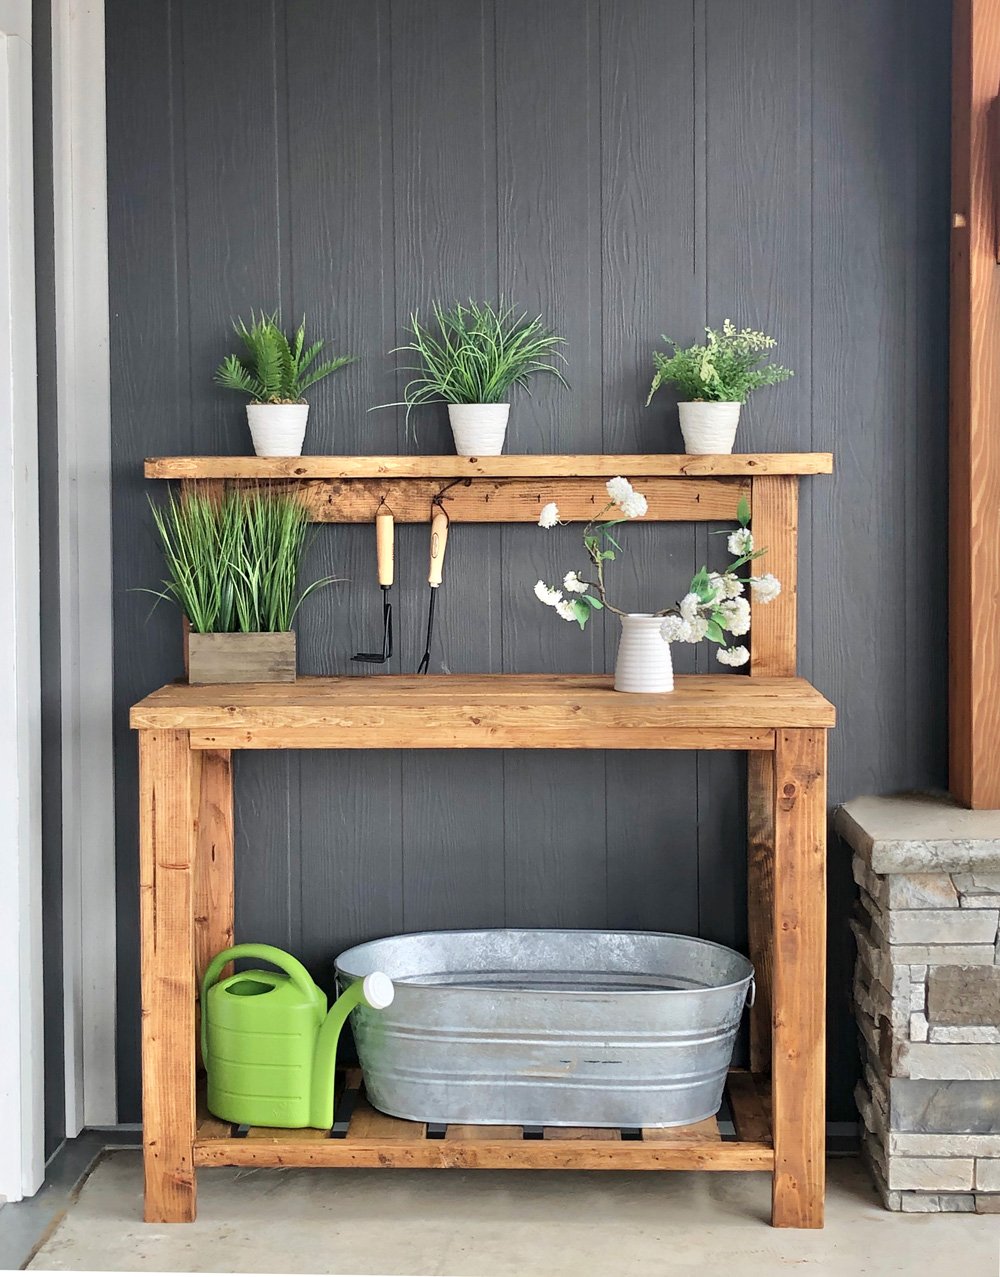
[(531, 466), (375, 1140)]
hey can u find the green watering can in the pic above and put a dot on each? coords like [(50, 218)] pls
[(268, 1042)]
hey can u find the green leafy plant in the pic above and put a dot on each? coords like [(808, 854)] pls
[(275, 369), (724, 369), (233, 565), (474, 354)]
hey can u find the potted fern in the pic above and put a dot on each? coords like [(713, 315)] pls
[(276, 373), (232, 569), (470, 358), (713, 380)]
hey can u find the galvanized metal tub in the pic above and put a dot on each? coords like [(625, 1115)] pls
[(549, 1028)]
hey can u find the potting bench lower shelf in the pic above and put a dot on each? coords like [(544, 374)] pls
[(186, 735), (362, 1136)]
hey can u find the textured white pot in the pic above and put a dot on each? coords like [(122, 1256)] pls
[(277, 429), (479, 428), (643, 663), (709, 427)]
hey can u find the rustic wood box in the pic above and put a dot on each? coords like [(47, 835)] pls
[(241, 658)]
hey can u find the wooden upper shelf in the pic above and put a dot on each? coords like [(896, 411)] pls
[(485, 711), (679, 465)]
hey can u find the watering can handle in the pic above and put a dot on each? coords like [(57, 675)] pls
[(266, 953)]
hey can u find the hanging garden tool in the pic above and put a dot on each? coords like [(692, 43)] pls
[(384, 550), (439, 539)]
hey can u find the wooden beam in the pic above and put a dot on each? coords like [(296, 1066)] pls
[(974, 430), (489, 500), (499, 1154)]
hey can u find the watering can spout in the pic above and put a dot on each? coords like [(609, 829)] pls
[(375, 991)]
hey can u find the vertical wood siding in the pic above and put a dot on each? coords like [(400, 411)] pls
[(629, 168)]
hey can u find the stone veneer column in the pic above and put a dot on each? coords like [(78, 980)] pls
[(927, 999)]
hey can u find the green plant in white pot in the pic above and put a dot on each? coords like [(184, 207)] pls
[(714, 379), (470, 358), (276, 372)]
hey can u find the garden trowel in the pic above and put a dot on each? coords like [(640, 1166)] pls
[(384, 549)]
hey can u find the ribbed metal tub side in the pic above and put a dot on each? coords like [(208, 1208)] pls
[(553, 1028)]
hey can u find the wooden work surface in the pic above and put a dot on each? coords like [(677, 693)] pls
[(514, 711)]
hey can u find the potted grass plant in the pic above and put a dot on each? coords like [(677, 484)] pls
[(276, 371), (713, 380), (233, 570), (470, 358)]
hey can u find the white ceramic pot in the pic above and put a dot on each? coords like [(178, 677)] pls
[(643, 663), (277, 429), (709, 427), (479, 428)]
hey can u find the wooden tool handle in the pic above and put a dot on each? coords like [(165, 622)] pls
[(439, 539), (385, 549)]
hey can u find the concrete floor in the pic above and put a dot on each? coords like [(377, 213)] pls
[(490, 1224)]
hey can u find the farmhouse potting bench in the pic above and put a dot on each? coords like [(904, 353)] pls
[(187, 735)]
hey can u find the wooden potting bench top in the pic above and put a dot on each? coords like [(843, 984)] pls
[(187, 735)]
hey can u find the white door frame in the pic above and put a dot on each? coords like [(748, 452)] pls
[(83, 390), (21, 1004)]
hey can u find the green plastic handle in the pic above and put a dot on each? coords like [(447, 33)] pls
[(266, 953)]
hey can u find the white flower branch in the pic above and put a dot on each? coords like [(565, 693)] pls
[(715, 604)]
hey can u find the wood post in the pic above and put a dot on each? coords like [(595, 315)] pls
[(760, 901), (799, 1055), (974, 484), (774, 510), (774, 520), (166, 860), (214, 866), (212, 784)]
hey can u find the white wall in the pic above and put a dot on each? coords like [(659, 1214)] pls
[(21, 1039), (84, 414)]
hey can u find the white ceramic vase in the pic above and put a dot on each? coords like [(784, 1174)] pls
[(479, 428), (709, 427), (644, 663), (277, 429)]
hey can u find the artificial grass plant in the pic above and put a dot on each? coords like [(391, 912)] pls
[(233, 565)]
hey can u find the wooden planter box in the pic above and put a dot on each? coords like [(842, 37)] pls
[(240, 658)]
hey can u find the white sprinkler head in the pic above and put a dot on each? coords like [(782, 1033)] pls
[(378, 990)]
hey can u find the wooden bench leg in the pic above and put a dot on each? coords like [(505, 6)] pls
[(212, 782), (166, 849), (799, 1026), (760, 901)]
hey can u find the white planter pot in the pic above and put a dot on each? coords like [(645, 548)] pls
[(479, 428), (644, 663), (709, 427), (277, 429)]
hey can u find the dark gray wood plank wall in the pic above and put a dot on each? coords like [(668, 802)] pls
[(629, 168)]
